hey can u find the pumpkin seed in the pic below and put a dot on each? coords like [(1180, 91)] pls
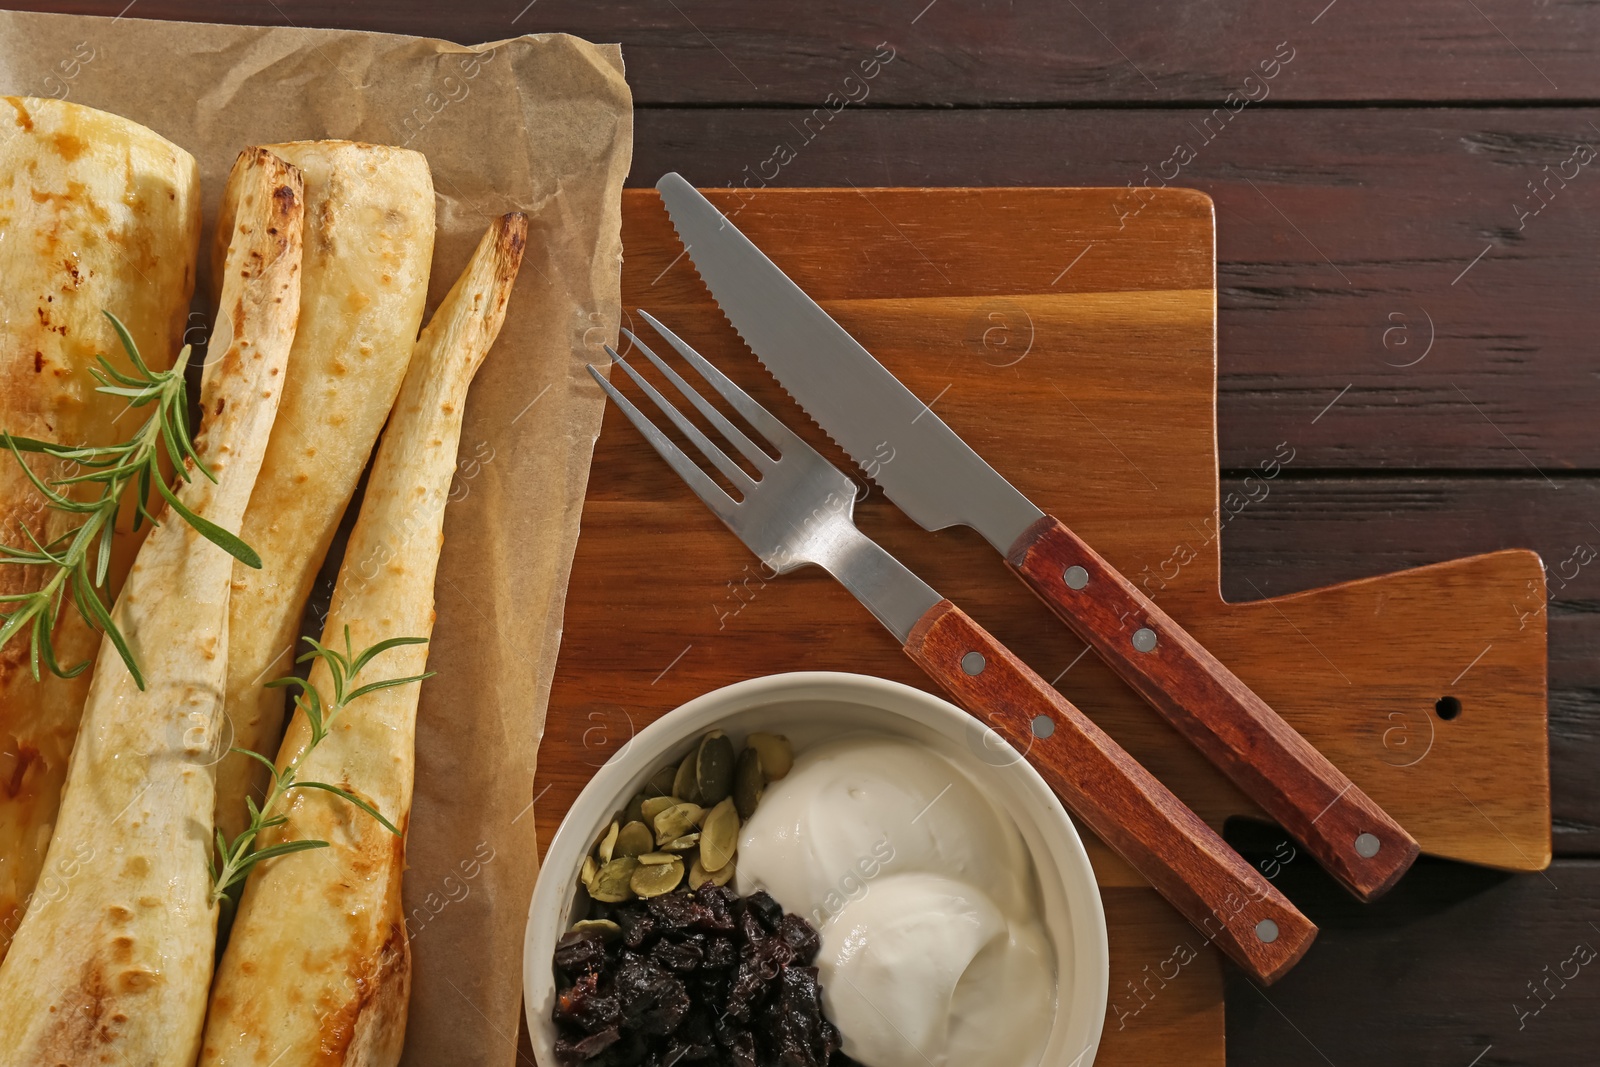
[(634, 812), (611, 884), (655, 806), (681, 844), (719, 836), (684, 783), (608, 930), (777, 755), (699, 876), (714, 768), (655, 859), (676, 821), (652, 880), (590, 869), (608, 842), (660, 784), (634, 839), (748, 783)]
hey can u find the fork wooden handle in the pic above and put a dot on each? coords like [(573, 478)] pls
[(1349, 834), (1223, 896)]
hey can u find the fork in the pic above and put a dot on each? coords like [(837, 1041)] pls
[(798, 512)]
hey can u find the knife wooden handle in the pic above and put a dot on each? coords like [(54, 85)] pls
[(1350, 835), (1223, 896)]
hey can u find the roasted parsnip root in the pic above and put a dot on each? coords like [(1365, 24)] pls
[(98, 213), (368, 246), (317, 968), (115, 969)]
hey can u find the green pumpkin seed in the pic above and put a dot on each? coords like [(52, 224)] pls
[(634, 839), (681, 844), (684, 783), (611, 884), (586, 875), (608, 930), (714, 768), (634, 812), (656, 859), (677, 820), (654, 879), (748, 783), (660, 784), (777, 755), (699, 876), (719, 837), (655, 806), (608, 842)]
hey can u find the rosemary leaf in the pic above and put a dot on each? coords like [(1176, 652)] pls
[(77, 564)]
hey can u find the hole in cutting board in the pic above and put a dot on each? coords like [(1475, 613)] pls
[(1447, 708)]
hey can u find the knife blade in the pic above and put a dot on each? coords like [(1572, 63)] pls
[(939, 481)]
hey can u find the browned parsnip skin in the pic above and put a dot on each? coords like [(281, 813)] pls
[(115, 969), (1227, 899), (318, 968), (101, 214)]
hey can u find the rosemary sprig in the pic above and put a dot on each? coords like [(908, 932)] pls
[(239, 856), (77, 561)]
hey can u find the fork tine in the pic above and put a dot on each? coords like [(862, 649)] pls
[(721, 504), (719, 459), (764, 421), (752, 451)]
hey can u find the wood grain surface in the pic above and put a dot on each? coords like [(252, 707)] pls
[(1354, 840), (1103, 415), (993, 53), (1228, 901), (1473, 101)]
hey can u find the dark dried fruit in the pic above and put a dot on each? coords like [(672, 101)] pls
[(801, 937), (654, 1002), (769, 911), (697, 977), (579, 951)]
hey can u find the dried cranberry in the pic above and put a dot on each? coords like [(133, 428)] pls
[(720, 952), (767, 910), (637, 925), (680, 956), (676, 912), (719, 903), (653, 1001), (798, 1022), (579, 952), (801, 937), (569, 1052), (588, 1006)]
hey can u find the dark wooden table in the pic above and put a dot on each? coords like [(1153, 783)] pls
[(1408, 226)]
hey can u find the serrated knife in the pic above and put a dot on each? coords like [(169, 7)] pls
[(939, 481)]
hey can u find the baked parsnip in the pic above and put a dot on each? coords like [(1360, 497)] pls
[(317, 968), (115, 970), (368, 246), (98, 213)]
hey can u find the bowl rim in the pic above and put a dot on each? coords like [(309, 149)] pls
[(752, 693)]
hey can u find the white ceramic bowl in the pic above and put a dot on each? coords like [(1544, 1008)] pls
[(809, 708)]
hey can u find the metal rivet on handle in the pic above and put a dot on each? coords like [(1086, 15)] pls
[(1367, 846), (973, 663), (1043, 726), (1144, 639), (1267, 931), (1075, 577)]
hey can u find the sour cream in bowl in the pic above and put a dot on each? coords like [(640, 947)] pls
[(960, 919)]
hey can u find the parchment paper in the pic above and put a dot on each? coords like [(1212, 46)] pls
[(541, 124)]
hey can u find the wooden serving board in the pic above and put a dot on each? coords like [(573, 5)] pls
[(1070, 336)]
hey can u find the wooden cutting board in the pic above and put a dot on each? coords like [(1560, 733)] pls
[(1070, 336)]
